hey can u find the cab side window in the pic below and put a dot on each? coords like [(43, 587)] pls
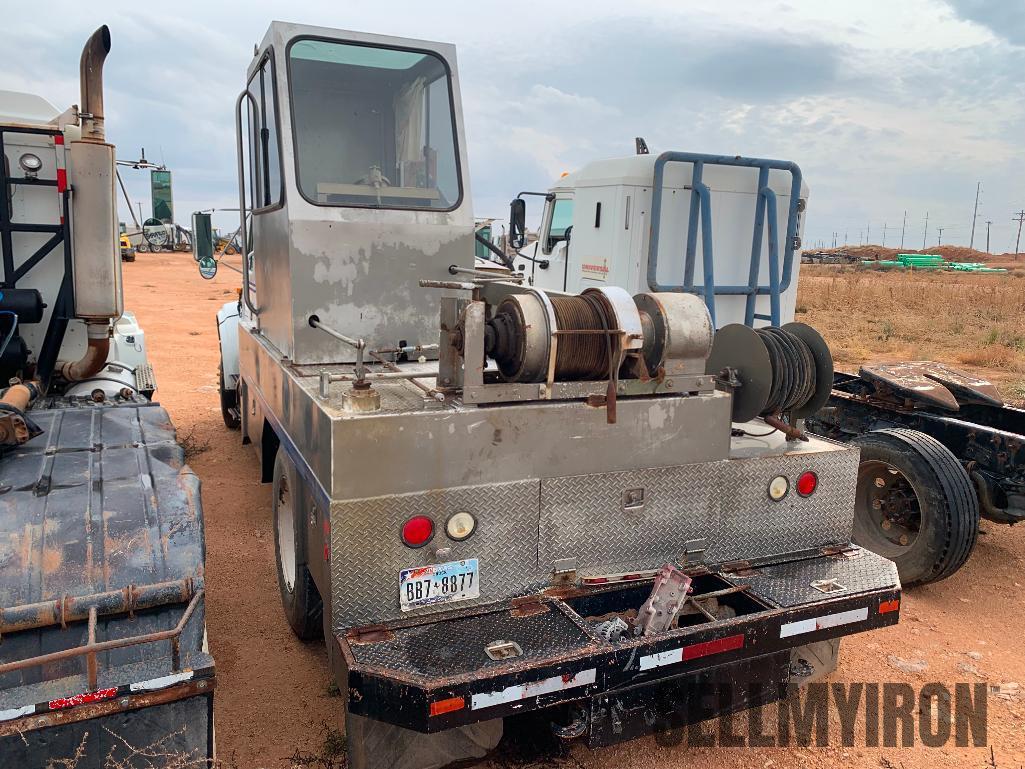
[(561, 220), (264, 155)]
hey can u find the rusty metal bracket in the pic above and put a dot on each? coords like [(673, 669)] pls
[(92, 647), (527, 606), (72, 608), (369, 634)]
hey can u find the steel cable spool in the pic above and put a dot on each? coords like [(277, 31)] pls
[(520, 336), (582, 356), (787, 370)]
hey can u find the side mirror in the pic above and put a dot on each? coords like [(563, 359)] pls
[(207, 267), (155, 232), (518, 223)]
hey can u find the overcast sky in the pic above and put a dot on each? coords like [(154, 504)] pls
[(885, 105)]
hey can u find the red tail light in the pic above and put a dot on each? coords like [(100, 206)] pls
[(417, 531), (807, 483)]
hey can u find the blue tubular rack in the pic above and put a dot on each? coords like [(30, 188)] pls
[(701, 215)]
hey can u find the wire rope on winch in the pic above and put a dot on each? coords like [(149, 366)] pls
[(793, 370), (583, 356)]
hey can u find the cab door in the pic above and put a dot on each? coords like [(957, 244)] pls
[(554, 242)]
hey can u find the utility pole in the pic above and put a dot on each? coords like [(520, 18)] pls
[(868, 233), (884, 234), (925, 233), (975, 214), (939, 240), (902, 228), (988, 222), (845, 237), (1020, 218)]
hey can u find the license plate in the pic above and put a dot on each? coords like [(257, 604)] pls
[(438, 583)]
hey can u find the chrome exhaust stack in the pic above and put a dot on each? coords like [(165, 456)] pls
[(95, 237)]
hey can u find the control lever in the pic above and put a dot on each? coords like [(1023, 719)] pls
[(668, 595)]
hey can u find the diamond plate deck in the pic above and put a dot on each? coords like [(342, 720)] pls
[(789, 584), (437, 649)]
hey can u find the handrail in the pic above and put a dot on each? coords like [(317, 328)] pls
[(701, 215), (243, 240), (92, 647)]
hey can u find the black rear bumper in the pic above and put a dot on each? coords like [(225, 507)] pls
[(432, 674)]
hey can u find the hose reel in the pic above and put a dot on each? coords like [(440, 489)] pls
[(775, 371)]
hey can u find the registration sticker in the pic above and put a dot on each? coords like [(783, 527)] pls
[(439, 583)]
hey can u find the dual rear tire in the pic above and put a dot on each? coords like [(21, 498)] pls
[(915, 504)]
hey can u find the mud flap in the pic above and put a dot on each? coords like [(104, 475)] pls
[(813, 662), (374, 744)]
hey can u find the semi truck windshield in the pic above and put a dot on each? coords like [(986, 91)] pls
[(373, 127)]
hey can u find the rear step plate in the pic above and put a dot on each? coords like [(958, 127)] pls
[(430, 674)]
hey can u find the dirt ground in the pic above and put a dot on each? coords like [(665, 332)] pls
[(273, 695)]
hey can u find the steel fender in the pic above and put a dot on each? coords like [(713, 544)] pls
[(227, 334)]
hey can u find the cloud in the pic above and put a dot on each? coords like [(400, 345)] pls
[(1004, 18), (885, 107)]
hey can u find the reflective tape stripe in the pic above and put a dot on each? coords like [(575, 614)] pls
[(161, 683), (10, 715), (82, 699), (692, 652), (821, 623), (533, 689)]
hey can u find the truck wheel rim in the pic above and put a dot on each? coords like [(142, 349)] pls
[(888, 503), (286, 532)]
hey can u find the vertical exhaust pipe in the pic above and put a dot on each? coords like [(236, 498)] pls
[(95, 236), (91, 84)]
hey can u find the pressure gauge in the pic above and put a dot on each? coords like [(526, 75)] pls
[(30, 164)]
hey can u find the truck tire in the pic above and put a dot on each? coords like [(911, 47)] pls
[(299, 596), (915, 504), (229, 402)]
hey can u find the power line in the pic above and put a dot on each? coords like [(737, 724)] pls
[(988, 223), (902, 228)]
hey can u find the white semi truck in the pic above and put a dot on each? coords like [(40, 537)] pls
[(492, 497), (103, 658), (708, 226)]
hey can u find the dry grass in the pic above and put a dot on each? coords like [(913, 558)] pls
[(973, 321)]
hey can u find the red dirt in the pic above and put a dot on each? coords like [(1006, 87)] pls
[(272, 695)]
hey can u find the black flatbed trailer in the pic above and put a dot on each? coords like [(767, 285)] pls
[(103, 657), (986, 435), (940, 450)]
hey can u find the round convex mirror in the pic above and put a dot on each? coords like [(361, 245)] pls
[(207, 267), (155, 232)]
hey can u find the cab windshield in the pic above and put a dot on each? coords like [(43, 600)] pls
[(373, 126)]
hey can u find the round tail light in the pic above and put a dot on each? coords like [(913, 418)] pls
[(417, 531), (778, 488), (807, 483)]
